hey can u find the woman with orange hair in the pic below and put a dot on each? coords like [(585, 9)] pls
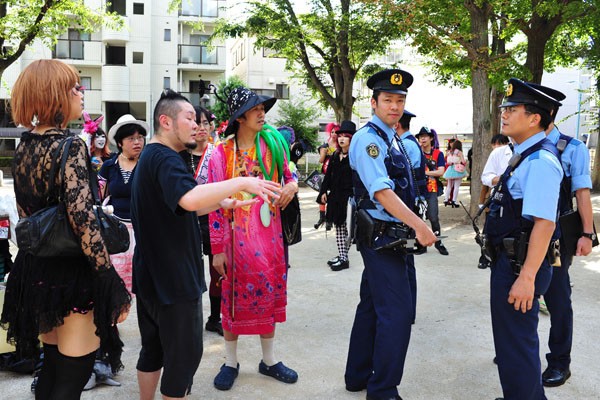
[(71, 302)]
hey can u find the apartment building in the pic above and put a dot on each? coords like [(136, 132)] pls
[(124, 70)]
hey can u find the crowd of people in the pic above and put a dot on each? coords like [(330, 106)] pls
[(186, 193)]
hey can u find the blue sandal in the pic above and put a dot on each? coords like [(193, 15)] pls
[(279, 372), (226, 376)]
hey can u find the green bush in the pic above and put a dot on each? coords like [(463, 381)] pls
[(303, 119), (6, 162), (224, 87)]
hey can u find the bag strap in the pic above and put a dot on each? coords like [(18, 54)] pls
[(65, 144)]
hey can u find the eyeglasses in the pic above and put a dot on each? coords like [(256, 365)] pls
[(512, 110), (132, 139), (79, 88)]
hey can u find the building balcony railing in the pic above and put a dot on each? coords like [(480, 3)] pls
[(201, 8), (117, 35), (197, 54), (87, 50), (206, 101)]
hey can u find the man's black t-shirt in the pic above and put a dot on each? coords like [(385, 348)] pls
[(167, 262)]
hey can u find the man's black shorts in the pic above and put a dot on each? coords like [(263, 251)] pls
[(171, 339)]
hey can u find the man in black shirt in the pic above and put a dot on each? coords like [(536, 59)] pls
[(168, 274)]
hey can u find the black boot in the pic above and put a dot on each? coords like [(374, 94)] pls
[(321, 220), (214, 320)]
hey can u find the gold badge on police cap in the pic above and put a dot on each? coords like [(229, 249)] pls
[(509, 90), (396, 79)]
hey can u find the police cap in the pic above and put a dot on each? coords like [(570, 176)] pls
[(555, 94), (393, 81), (519, 92), (406, 116)]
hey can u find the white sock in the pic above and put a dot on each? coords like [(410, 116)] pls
[(268, 351), (231, 353)]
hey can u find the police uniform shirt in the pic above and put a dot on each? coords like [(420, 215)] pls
[(413, 150), (575, 160), (496, 164), (537, 181), (367, 154)]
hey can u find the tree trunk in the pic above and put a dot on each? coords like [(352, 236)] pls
[(480, 98), (496, 99)]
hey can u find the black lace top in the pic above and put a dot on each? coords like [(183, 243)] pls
[(32, 162)]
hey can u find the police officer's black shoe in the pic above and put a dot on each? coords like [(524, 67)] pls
[(553, 377), (340, 265), (441, 248), (396, 397)]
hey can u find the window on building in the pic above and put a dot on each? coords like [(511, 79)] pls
[(242, 51), (282, 91), (138, 57), (167, 35), (264, 92), (74, 34), (118, 6), (269, 53), (115, 55), (86, 82), (166, 82), (210, 8), (138, 8), (190, 8), (198, 40)]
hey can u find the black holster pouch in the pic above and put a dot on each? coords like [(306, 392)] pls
[(382, 235), (365, 229), (516, 250)]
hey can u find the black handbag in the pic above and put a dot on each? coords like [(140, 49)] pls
[(314, 180), (114, 232), (47, 232), (571, 229), (290, 222)]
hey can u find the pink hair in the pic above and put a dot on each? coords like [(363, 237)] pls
[(331, 127)]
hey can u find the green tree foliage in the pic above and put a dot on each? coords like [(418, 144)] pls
[(301, 117), (326, 47), (23, 21), (224, 87), (482, 43)]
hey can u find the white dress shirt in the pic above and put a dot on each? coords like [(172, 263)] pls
[(496, 164)]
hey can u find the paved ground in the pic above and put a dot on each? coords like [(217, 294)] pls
[(451, 350)]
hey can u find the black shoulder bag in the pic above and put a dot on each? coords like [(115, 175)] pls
[(47, 232)]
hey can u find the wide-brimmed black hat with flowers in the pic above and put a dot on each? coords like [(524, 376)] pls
[(241, 100)]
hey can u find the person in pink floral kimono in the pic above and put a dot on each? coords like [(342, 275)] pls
[(247, 243)]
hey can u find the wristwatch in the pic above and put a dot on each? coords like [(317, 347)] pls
[(592, 236)]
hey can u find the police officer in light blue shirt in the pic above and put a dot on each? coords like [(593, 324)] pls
[(575, 160), (384, 194), (519, 229)]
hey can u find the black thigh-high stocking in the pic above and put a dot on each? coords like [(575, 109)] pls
[(46, 378), (72, 373)]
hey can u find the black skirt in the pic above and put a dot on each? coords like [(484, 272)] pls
[(41, 292)]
